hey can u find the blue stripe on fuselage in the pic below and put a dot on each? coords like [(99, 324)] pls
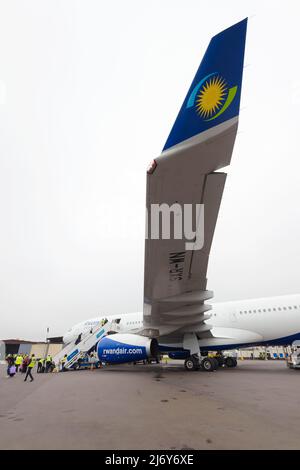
[(283, 341)]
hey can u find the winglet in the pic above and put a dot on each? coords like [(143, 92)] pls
[(214, 95)]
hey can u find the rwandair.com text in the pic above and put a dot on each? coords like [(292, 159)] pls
[(120, 351)]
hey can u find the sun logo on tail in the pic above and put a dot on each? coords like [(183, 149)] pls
[(211, 97)]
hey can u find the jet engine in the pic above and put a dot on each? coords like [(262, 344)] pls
[(120, 348)]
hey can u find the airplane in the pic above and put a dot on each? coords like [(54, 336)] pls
[(176, 319), (271, 321)]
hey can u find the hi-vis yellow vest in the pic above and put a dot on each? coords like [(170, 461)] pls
[(19, 360), (32, 362)]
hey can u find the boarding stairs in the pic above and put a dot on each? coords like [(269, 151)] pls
[(88, 341)]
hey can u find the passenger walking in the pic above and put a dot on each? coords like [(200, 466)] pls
[(10, 363), (78, 340), (25, 364), (12, 371), (30, 367)]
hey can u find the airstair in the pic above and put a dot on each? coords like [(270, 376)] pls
[(88, 341)]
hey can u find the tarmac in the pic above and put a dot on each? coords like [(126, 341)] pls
[(255, 406)]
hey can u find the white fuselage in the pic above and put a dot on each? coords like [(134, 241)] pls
[(274, 320)]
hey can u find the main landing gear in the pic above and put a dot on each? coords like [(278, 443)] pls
[(230, 362), (208, 364), (198, 360), (192, 363)]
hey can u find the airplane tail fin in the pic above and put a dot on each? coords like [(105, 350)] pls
[(214, 95)]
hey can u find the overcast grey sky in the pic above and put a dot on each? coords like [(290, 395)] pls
[(88, 93)]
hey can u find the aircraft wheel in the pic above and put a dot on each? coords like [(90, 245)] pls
[(191, 364), (208, 364), (221, 361), (230, 362), (216, 362)]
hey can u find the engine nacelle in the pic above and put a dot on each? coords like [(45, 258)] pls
[(119, 348)]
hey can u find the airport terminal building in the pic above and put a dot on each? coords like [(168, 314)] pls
[(39, 348)]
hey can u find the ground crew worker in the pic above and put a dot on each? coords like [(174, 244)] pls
[(48, 363), (40, 365), (63, 361), (93, 360), (30, 366), (18, 361)]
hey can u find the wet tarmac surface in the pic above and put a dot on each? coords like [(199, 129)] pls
[(255, 406)]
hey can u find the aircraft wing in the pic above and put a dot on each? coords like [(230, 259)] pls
[(185, 175)]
